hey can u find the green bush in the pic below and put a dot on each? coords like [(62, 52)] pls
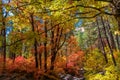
[(97, 69)]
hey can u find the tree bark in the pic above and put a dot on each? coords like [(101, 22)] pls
[(100, 37), (113, 45), (54, 41), (52, 50), (111, 50), (4, 38), (45, 47), (40, 60), (117, 40), (4, 43), (56, 45), (35, 41)]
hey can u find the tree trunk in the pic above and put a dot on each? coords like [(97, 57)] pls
[(35, 40), (116, 8), (40, 57), (45, 47), (4, 44), (100, 37), (53, 60), (4, 40), (52, 50), (36, 53), (113, 45), (40, 60), (13, 57), (111, 50), (117, 40)]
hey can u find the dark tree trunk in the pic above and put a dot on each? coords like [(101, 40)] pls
[(55, 42), (4, 41), (111, 50), (108, 29), (102, 45), (52, 50), (45, 47), (55, 46), (53, 60), (116, 9), (117, 40), (4, 45), (35, 40), (36, 53), (40, 60), (13, 57), (66, 51)]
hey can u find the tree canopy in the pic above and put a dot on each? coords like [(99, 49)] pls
[(53, 36)]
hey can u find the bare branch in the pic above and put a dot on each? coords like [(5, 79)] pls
[(14, 42), (62, 43), (91, 7), (88, 17), (110, 1)]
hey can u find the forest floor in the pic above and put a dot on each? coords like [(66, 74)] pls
[(24, 69), (30, 76), (16, 76)]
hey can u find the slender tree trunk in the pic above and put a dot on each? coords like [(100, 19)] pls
[(40, 57), (116, 9), (4, 39), (108, 29), (52, 50), (45, 47), (100, 37), (66, 51), (4, 44), (53, 60), (13, 57), (111, 50), (1, 17), (117, 40), (40, 60), (35, 40), (55, 46), (45, 56), (36, 53), (55, 42)]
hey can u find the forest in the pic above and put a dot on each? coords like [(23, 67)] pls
[(59, 39)]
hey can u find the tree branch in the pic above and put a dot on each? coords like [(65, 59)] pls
[(88, 17), (62, 43), (110, 1), (14, 42)]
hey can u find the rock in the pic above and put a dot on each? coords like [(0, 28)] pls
[(102, 72), (61, 75), (81, 71), (82, 78), (76, 78), (68, 77)]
